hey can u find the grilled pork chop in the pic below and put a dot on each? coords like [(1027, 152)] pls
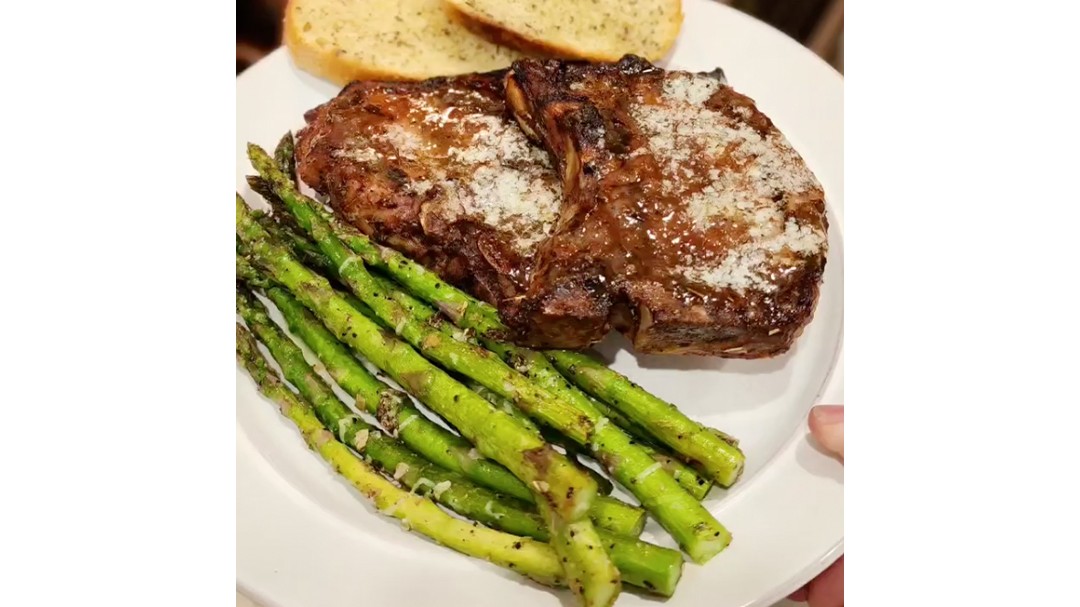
[(438, 170), (688, 221)]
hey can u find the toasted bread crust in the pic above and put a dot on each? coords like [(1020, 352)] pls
[(401, 40), (325, 64), (536, 44)]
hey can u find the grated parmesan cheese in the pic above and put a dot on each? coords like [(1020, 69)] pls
[(492, 174), (690, 89), (681, 129), (360, 153), (748, 266), (747, 180), (405, 142), (646, 473)]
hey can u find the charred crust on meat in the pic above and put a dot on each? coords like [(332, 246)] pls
[(583, 115), (397, 176)]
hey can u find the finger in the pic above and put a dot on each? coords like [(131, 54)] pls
[(827, 589), (827, 426), (799, 596)]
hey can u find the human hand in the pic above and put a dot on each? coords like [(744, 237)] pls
[(827, 589)]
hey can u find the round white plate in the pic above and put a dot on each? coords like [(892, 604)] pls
[(306, 539)]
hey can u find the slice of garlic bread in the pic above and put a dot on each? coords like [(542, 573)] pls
[(600, 30), (347, 40)]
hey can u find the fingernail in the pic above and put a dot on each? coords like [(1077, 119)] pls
[(827, 426), (828, 414)]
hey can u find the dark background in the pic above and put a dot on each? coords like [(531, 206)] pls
[(819, 24)]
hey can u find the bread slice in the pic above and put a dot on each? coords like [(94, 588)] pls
[(601, 30), (347, 40)]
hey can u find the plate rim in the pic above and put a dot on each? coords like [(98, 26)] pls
[(831, 390)]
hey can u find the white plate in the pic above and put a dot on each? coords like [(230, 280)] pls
[(304, 538)]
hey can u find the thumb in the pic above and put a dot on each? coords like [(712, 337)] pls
[(827, 426)]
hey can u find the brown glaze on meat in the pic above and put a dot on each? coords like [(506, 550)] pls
[(674, 210), (688, 221), (438, 170)]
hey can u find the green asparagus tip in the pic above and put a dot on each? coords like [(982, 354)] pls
[(260, 159)]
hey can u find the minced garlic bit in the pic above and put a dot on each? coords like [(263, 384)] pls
[(420, 484), (401, 470), (360, 440), (492, 513), (541, 486), (343, 424), (440, 488), (601, 424)]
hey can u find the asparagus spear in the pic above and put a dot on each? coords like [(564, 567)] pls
[(608, 513), (634, 465), (594, 580), (548, 434), (477, 315), (389, 454), (648, 566), (531, 558), (463, 309), (695, 483), (546, 397), (410, 469), (688, 478), (427, 438), (459, 356), (285, 156), (495, 433), (720, 458), (304, 250), (247, 273), (393, 409)]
